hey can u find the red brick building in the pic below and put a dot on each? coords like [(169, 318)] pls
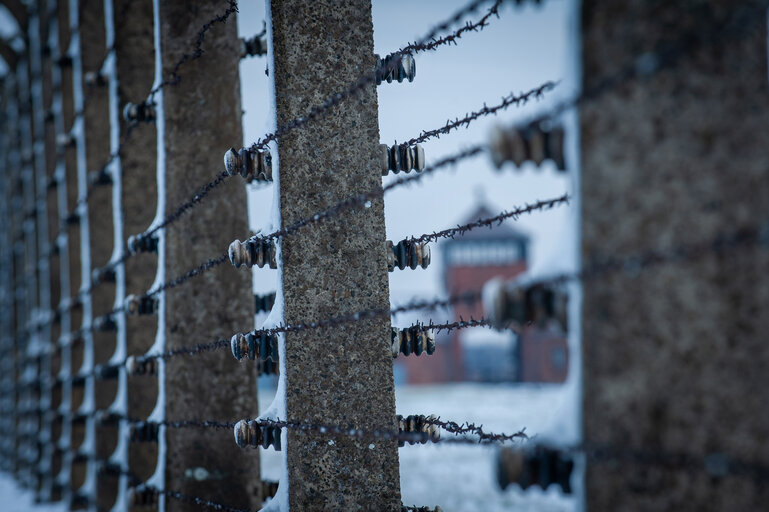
[(469, 261)]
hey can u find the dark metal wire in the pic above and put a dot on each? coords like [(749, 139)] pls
[(187, 205), (507, 101), (490, 222), (197, 52), (428, 42)]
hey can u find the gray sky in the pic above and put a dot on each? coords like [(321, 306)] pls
[(527, 46)]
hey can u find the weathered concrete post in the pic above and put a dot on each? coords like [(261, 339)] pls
[(338, 375), (202, 119), (675, 357)]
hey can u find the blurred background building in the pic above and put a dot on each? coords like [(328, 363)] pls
[(538, 354)]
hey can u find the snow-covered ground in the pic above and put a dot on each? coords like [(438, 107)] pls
[(458, 477)]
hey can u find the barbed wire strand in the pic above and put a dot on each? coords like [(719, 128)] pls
[(174, 80), (715, 464), (197, 52), (641, 67), (426, 43), (507, 101)]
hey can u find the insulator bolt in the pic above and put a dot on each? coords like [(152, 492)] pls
[(64, 61), (259, 252), (139, 366), (264, 302), (143, 432), (406, 69), (104, 323), (407, 253), (142, 112), (142, 497), (418, 424), (526, 304), (142, 243), (103, 275), (412, 340), (107, 372), (251, 346), (141, 305), (250, 433), (65, 140), (100, 177), (269, 488), (519, 145), (539, 466), (94, 79), (53, 182), (252, 166), (102, 417), (399, 158), (253, 46), (267, 367)]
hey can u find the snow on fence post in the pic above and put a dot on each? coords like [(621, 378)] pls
[(96, 126), (134, 42), (339, 375), (201, 119), (675, 358)]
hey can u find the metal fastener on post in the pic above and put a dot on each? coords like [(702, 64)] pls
[(250, 433), (539, 466), (522, 304), (388, 70), (64, 141), (407, 253), (142, 497), (142, 243), (259, 252), (412, 340), (141, 305), (144, 432), (401, 157), (102, 275), (104, 323), (530, 143), (267, 367), (251, 346), (256, 45), (418, 424), (94, 79), (140, 366), (264, 302), (141, 112), (99, 177), (254, 166)]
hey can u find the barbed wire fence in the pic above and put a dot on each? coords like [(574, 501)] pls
[(56, 423)]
